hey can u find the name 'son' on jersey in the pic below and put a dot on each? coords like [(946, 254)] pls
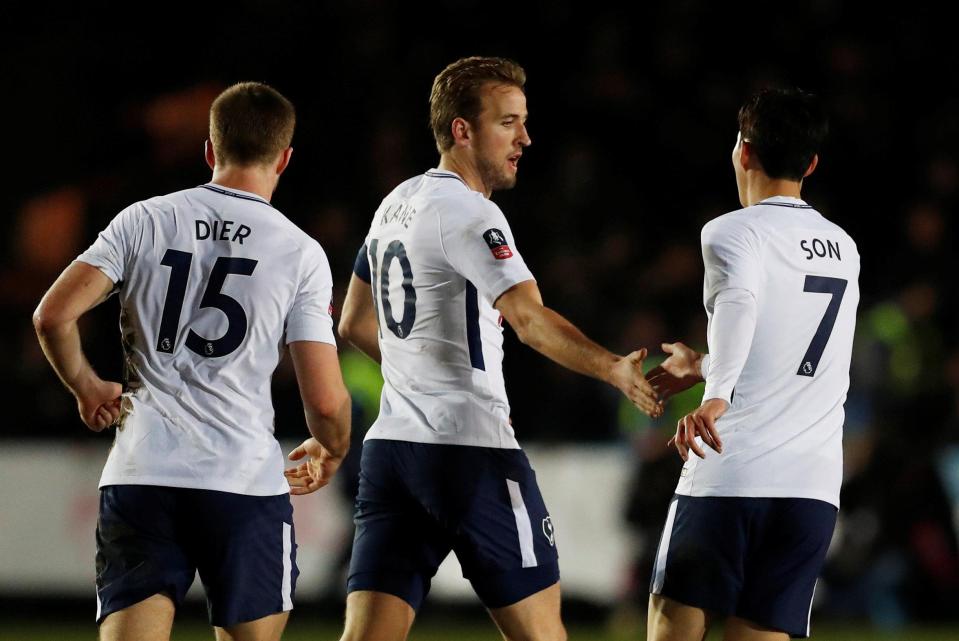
[(221, 230), (817, 248)]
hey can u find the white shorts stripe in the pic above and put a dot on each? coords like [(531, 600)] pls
[(99, 605), (659, 568), (523, 525), (286, 588), (811, 599)]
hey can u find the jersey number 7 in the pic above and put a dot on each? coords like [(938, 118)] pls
[(822, 285), (179, 264)]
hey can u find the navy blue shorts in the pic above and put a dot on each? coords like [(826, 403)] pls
[(417, 502), (754, 558), (153, 539)]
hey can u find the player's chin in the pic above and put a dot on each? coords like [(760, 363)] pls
[(507, 180)]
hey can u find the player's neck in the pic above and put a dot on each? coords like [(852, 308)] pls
[(466, 169), (255, 180), (763, 187)]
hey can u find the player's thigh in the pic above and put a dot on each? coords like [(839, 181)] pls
[(244, 548), (140, 551), (397, 545), (700, 557), (148, 620), (670, 620), (377, 616), (783, 564), (535, 618), (737, 629), (505, 540), (268, 628)]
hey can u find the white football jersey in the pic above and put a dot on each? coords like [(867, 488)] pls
[(212, 283), (439, 255), (782, 434)]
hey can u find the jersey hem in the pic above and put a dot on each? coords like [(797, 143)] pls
[(762, 493), (379, 437), (232, 488)]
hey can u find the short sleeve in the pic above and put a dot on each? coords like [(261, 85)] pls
[(480, 246), (731, 257), (361, 267), (112, 251), (311, 317)]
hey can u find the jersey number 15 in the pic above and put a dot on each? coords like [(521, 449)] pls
[(179, 264)]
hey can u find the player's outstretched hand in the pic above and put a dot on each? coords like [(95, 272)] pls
[(99, 404), (627, 376), (679, 372), (315, 472), (700, 422)]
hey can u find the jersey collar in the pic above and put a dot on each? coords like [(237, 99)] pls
[(442, 173), (236, 193), (785, 201)]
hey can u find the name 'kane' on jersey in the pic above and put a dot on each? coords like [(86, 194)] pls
[(782, 434), (212, 283), (437, 256)]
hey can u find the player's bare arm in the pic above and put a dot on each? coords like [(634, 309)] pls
[(681, 370), (358, 320), (559, 340), (326, 403), (78, 289)]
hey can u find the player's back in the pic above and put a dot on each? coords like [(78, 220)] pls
[(782, 434), (214, 280), (439, 255)]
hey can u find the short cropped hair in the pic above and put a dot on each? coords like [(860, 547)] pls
[(786, 128), (250, 123), (456, 92)]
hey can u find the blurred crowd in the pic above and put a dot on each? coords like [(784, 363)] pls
[(632, 126)]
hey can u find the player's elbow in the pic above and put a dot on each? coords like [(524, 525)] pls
[(347, 327), (330, 404), (523, 321), (46, 319)]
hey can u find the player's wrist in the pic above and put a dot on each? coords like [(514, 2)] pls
[(85, 385), (610, 372), (701, 366)]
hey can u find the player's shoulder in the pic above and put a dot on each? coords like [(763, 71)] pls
[(467, 208), (734, 223)]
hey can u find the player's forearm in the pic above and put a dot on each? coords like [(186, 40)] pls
[(730, 337), (61, 345), (562, 342), (330, 425), (365, 337)]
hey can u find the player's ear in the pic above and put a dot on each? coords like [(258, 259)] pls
[(208, 154), (461, 131), (745, 154), (812, 165), (284, 160)]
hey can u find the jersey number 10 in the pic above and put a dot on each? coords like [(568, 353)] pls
[(394, 251), (179, 264)]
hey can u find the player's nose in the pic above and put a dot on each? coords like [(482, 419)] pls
[(524, 138)]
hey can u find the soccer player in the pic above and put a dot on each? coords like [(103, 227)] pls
[(747, 531), (213, 281), (441, 468)]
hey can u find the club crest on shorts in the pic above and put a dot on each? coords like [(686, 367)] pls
[(497, 244), (548, 530)]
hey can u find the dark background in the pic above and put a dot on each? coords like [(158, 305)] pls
[(632, 117)]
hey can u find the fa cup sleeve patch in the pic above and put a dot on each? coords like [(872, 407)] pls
[(497, 244)]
